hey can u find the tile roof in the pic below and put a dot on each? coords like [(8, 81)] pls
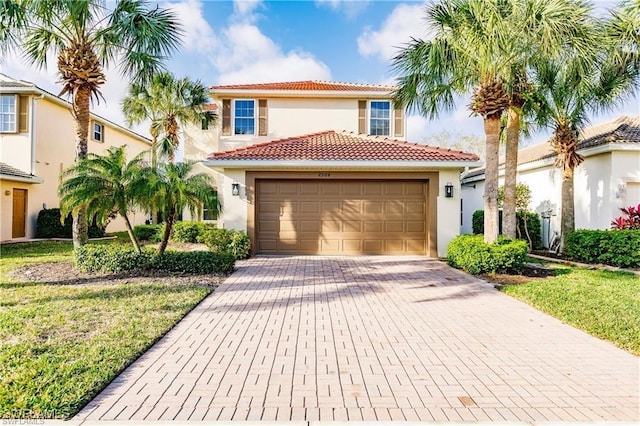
[(342, 146), (7, 170), (308, 85), (623, 130)]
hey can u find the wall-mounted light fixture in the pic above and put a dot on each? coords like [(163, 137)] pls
[(620, 190), (7, 192), (235, 189), (448, 190)]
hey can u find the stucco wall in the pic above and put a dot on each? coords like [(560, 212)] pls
[(472, 200), (55, 150), (448, 210)]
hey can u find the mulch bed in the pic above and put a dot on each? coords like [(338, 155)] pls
[(530, 273), (64, 273)]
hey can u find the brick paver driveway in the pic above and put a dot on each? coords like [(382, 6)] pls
[(370, 338)]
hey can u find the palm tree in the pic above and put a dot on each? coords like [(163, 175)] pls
[(567, 91), (473, 48), (86, 36), (104, 184), (167, 103), (173, 188)]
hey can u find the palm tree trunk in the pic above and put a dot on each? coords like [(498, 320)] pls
[(168, 226), (509, 220), (568, 218), (492, 135), (132, 236), (154, 166), (81, 115)]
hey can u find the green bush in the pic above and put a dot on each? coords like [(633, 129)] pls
[(194, 262), (534, 226), (618, 248), (148, 232), (48, 225), (120, 258), (228, 240), (471, 254), (190, 232), (111, 258)]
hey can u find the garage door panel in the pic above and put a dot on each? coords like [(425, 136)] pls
[(333, 217)]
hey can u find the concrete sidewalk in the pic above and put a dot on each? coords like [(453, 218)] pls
[(370, 338)]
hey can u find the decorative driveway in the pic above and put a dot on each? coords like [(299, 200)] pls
[(370, 338)]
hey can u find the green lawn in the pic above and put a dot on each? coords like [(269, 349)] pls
[(60, 345), (603, 303)]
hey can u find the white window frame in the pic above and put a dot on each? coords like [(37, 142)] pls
[(95, 123), (15, 114), (233, 117), (369, 118)]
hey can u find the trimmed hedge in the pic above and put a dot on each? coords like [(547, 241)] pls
[(194, 262), (190, 232), (228, 240), (534, 226), (120, 258), (48, 225), (617, 248), (471, 254), (148, 232)]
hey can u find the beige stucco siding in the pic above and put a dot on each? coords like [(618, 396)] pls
[(54, 150)]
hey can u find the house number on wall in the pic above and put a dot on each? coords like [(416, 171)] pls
[(324, 174)]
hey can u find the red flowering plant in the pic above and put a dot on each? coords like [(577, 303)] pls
[(630, 218)]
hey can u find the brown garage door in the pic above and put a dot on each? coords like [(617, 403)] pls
[(341, 217)]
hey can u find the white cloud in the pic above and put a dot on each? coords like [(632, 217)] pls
[(198, 36), (351, 8), (250, 56), (404, 22), (245, 7)]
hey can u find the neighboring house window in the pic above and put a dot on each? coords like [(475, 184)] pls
[(8, 113), (98, 132), (209, 214), (380, 118), (244, 117)]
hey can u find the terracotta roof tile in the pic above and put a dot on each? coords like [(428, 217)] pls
[(308, 85), (8, 170), (342, 146)]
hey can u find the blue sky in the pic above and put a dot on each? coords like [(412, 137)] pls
[(247, 41)]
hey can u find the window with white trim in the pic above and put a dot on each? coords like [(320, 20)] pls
[(380, 118), (98, 132), (244, 117), (8, 114)]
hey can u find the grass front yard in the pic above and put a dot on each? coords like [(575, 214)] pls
[(603, 303), (60, 344)]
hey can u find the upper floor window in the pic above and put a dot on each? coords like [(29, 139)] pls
[(380, 118), (8, 113), (98, 132), (244, 117)]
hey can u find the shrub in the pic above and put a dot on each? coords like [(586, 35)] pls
[(533, 229), (190, 232), (227, 240), (48, 225), (147, 232), (617, 248), (534, 226), (471, 254), (630, 218), (111, 258), (120, 258), (194, 262)]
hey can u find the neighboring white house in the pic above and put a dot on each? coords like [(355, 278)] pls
[(322, 167), (608, 179), (36, 143)]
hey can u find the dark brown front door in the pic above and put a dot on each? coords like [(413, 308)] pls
[(19, 213)]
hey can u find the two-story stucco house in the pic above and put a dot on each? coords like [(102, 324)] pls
[(315, 167), (36, 144), (608, 179)]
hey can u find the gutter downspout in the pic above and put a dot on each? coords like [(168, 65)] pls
[(33, 131)]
